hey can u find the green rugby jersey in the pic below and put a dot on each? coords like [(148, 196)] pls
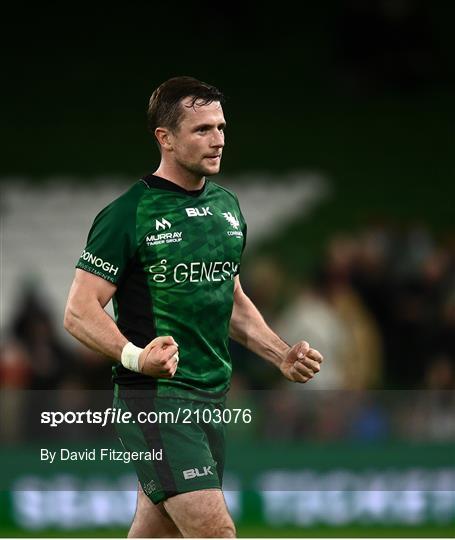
[(173, 255)]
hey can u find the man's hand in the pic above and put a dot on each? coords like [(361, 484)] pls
[(301, 363), (159, 358)]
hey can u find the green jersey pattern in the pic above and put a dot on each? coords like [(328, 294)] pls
[(173, 256)]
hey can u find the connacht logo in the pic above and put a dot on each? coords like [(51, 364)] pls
[(232, 219), (161, 225)]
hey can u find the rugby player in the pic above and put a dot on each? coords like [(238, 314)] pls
[(168, 252)]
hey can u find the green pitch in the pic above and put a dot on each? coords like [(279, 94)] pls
[(258, 531)]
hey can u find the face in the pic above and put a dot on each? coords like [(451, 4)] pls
[(198, 142)]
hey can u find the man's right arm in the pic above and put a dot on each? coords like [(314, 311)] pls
[(86, 320)]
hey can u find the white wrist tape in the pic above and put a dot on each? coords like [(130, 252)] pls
[(130, 356)]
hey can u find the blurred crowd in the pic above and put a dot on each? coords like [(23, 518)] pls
[(380, 306)]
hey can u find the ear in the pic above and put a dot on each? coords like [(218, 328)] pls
[(163, 137)]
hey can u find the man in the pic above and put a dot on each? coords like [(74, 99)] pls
[(168, 254)]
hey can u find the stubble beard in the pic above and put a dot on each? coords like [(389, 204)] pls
[(198, 170)]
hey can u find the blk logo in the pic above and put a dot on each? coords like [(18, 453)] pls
[(198, 212), (162, 225), (194, 473)]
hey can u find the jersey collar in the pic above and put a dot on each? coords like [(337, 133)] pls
[(153, 181)]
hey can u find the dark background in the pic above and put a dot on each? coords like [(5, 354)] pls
[(360, 90)]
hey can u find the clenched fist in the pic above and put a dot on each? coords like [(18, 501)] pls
[(301, 363), (159, 358)]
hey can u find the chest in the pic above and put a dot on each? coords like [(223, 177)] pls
[(201, 238)]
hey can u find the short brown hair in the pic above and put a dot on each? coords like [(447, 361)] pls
[(164, 106)]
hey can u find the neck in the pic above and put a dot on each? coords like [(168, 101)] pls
[(182, 177)]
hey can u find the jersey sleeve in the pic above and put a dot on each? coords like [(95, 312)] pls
[(111, 243), (244, 228)]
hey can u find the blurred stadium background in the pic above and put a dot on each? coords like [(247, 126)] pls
[(340, 146)]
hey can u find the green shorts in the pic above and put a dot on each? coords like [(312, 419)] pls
[(179, 443)]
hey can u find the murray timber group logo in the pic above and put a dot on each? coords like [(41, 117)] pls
[(163, 238), (161, 225)]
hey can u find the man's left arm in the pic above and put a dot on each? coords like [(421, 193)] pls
[(298, 363)]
